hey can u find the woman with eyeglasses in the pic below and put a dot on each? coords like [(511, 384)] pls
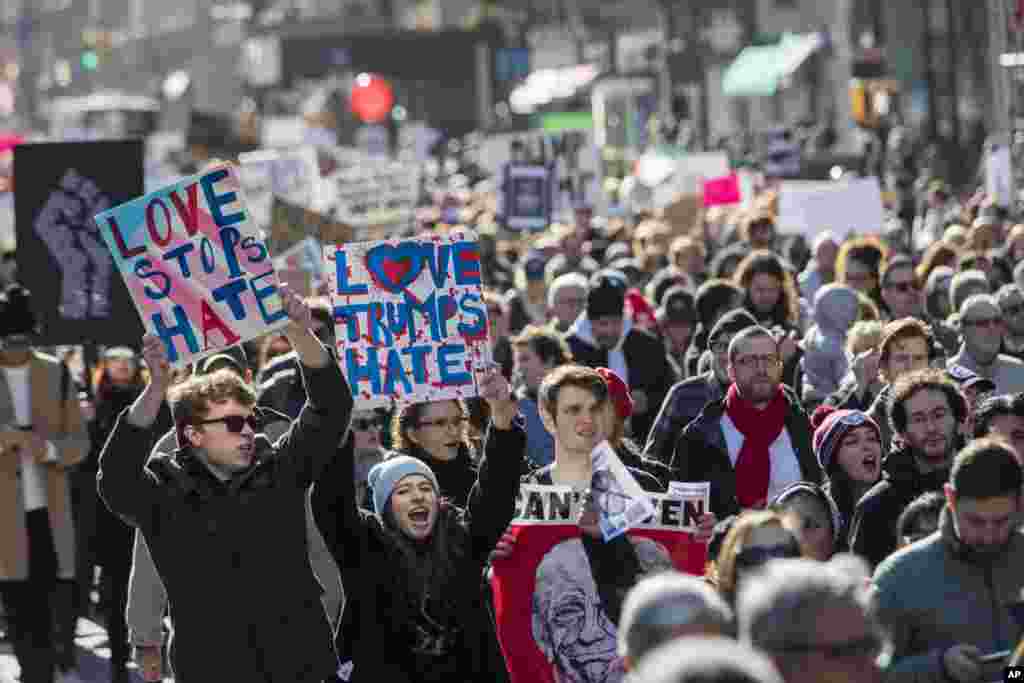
[(848, 445), (412, 567), (437, 432), (755, 538)]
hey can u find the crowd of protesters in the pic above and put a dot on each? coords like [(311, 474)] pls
[(855, 402)]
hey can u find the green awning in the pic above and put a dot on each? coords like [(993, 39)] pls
[(758, 71)]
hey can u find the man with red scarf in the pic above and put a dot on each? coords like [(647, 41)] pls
[(754, 442)]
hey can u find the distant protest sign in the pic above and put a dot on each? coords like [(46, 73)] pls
[(548, 607), (199, 273), (812, 207), (410, 320), (77, 295), (373, 191), (268, 173)]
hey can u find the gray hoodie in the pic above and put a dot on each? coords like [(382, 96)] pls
[(836, 308)]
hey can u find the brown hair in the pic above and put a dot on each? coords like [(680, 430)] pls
[(900, 330), (764, 262), (868, 251), (190, 400), (408, 418), (577, 376), (683, 244), (939, 254), (548, 344), (867, 309), (908, 386), (723, 571)]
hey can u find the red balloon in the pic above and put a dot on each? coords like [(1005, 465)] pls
[(371, 99)]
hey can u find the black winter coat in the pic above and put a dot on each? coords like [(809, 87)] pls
[(702, 454), (380, 630), (873, 529), (650, 371), (233, 555)]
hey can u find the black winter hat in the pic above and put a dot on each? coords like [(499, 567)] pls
[(607, 296), (731, 324), (16, 316)]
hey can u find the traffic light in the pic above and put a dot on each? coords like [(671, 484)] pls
[(90, 60)]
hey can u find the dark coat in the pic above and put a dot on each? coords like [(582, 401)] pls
[(702, 454), (873, 529), (233, 555), (379, 628), (650, 371)]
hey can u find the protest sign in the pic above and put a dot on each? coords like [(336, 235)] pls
[(527, 196), (61, 258), (810, 208), (547, 604), (373, 191), (999, 175), (291, 224), (621, 502), (290, 174), (198, 272), (722, 191), (411, 324)]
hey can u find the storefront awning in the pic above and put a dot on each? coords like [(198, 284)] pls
[(758, 71)]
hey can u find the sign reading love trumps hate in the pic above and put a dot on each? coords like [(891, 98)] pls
[(198, 271), (411, 324)]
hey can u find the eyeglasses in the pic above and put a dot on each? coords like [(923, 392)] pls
[(991, 323), (867, 647), (902, 287), (453, 422), (235, 423), (720, 347), (751, 362), (755, 556), (365, 424)]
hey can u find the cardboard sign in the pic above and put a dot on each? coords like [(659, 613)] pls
[(527, 197), (810, 208), (411, 324), (61, 257), (373, 191), (547, 606), (290, 224), (999, 175), (199, 273)]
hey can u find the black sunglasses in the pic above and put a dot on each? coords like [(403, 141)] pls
[(870, 645), (235, 423), (758, 555), (365, 424)]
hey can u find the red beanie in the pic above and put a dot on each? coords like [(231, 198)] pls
[(618, 392)]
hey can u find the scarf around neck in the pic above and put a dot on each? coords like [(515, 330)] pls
[(760, 428)]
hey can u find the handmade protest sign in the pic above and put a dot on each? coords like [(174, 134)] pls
[(291, 223), (621, 502), (410, 320), (198, 272), (548, 606), (76, 294), (527, 197), (811, 207)]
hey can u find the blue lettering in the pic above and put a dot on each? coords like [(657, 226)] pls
[(478, 328), (375, 319), (438, 258), (446, 310), (350, 314), (399, 319), (428, 309), (231, 292), (265, 293), (357, 372), (179, 253), (216, 202), (181, 327), (229, 239), (341, 268), (396, 371), (419, 362), (251, 243), (453, 373), (142, 270), (206, 255)]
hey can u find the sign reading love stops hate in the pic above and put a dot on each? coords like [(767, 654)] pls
[(194, 263), (410, 321)]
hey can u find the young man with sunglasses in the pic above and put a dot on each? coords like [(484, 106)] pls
[(901, 292), (947, 599), (755, 441), (982, 326), (225, 516)]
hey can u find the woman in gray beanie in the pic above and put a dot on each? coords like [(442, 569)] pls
[(412, 568)]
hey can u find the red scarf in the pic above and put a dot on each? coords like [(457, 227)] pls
[(760, 428)]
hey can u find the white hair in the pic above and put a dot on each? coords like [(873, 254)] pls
[(574, 279)]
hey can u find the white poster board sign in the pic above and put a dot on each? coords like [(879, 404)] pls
[(810, 208)]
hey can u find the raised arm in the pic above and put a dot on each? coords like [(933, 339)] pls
[(122, 481), (313, 438), (336, 510), (491, 503)]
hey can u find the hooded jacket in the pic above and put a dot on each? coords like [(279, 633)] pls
[(647, 366), (937, 593), (381, 630), (873, 529), (702, 453), (825, 363)]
